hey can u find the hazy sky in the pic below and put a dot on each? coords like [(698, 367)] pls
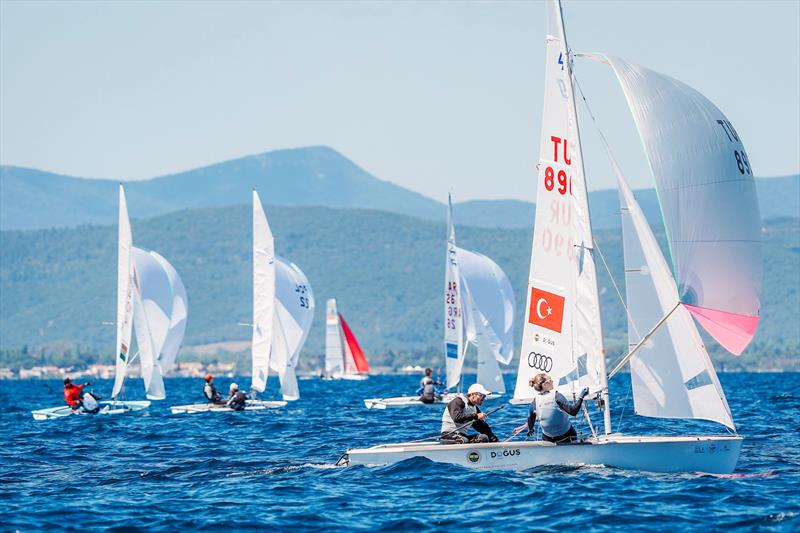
[(430, 95)]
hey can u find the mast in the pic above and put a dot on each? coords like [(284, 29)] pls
[(587, 243)]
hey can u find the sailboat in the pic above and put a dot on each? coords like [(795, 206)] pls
[(344, 358), (137, 297), (478, 304), (707, 195), (283, 309)]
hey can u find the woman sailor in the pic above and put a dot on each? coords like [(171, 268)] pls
[(553, 411)]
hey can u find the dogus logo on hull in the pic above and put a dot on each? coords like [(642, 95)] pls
[(505, 453), (547, 309)]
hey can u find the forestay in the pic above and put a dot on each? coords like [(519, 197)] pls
[(562, 331), (294, 312), (263, 295), (708, 201), (671, 374), (124, 295)]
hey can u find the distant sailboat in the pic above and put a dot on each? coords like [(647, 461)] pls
[(283, 309), (479, 305), (344, 358), (711, 215), (134, 297)]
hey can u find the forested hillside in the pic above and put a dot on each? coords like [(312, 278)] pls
[(57, 287)]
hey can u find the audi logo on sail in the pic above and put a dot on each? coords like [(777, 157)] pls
[(540, 362)]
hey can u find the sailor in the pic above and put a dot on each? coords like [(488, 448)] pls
[(210, 391), (464, 412), (237, 399), (553, 411), (73, 393), (427, 388), (89, 403)]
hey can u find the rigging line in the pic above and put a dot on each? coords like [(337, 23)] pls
[(616, 288)]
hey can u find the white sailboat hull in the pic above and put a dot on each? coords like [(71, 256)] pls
[(250, 405), (397, 402), (711, 454), (106, 408), (401, 401), (348, 377)]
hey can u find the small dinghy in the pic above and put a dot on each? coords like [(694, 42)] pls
[(106, 408), (479, 305), (151, 300), (344, 358), (711, 216), (283, 309), (250, 405)]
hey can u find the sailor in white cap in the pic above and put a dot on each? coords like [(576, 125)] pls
[(463, 412)]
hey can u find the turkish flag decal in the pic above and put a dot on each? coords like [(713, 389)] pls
[(547, 309)]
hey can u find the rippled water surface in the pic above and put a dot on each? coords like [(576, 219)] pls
[(275, 468)]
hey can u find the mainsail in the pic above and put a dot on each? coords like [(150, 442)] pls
[(294, 312), (453, 325), (708, 201), (334, 361), (263, 295), (562, 333), (124, 295)]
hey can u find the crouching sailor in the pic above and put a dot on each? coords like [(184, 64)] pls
[(427, 388), (210, 391), (553, 411), (464, 412), (237, 400)]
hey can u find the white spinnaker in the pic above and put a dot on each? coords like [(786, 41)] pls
[(489, 292), (178, 318), (263, 295), (152, 311), (334, 355), (672, 375), (294, 313), (124, 295), (562, 333), (453, 311), (708, 201)]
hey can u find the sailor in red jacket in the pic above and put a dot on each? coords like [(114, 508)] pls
[(73, 394)]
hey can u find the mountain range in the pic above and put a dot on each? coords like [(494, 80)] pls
[(311, 176)]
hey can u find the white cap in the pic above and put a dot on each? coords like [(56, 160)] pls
[(234, 386), (477, 387)]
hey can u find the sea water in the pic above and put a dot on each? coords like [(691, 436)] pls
[(275, 469)]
